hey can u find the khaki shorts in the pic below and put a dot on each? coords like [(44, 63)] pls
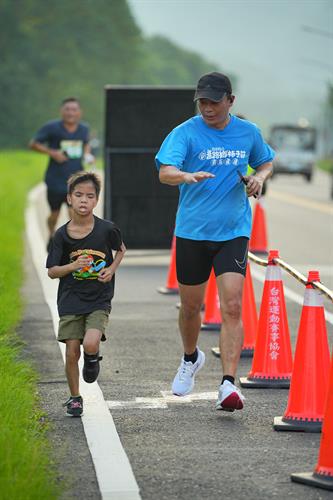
[(74, 326)]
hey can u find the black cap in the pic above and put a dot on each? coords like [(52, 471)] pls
[(213, 86)]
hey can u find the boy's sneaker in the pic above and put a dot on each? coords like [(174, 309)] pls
[(74, 406), (229, 398), (91, 367), (183, 382)]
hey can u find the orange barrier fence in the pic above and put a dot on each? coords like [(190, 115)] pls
[(272, 358), (300, 277), (310, 402), (309, 384), (322, 476)]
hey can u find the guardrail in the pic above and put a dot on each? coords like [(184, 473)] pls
[(293, 272)]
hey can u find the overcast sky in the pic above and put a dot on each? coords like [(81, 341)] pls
[(282, 67)]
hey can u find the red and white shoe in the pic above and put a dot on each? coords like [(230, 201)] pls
[(229, 398)]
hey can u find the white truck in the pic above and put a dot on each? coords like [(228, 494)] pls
[(295, 149)]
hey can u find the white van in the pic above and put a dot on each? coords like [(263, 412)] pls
[(295, 150)]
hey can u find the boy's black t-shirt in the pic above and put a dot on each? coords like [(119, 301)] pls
[(80, 292), (55, 134)]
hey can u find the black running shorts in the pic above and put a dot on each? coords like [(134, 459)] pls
[(55, 199), (195, 259)]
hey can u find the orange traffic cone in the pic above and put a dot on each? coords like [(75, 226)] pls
[(258, 240), (272, 360), (212, 317), (171, 287), (249, 316), (322, 477), (309, 380)]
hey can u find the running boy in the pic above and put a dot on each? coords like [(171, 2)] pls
[(81, 257)]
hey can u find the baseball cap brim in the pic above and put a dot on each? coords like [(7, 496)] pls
[(209, 94)]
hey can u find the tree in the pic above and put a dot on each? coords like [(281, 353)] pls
[(51, 51)]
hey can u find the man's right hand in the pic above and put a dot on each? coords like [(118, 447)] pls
[(58, 155), (197, 177)]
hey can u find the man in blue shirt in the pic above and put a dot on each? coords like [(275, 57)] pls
[(66, 142), (213, 222)]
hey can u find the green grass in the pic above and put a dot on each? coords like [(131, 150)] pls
[(325, 164), (26, 469)]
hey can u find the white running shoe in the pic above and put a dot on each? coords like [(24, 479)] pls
[(229, 398), (183, 382)]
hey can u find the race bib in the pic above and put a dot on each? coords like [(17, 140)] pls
[(73, 149)]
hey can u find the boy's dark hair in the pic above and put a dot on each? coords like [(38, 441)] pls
[(70, 99), (83, 176)]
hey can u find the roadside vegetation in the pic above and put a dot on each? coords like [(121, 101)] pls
[(325, 164), (26, 468), (93, 43)]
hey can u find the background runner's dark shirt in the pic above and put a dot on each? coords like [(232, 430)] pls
[(56, 136), (80, 292)]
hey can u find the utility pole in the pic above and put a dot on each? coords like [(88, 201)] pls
[(328, 125)]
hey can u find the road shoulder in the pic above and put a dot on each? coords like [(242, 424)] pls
[(67, 437)]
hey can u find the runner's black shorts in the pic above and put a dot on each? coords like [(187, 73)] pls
[(195, 259), (56, 199)]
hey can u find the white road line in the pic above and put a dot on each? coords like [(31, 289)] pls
[(139, 404), (114, 473), (196, 396), (290, 294), (300, 201), (162, 403)]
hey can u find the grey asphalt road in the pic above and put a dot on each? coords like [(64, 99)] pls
[(300, 222), (300, 225), (188, 450)]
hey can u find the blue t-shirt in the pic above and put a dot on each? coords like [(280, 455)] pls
[(215, 209), (56, 136)]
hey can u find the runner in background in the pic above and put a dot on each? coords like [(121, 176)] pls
[(66, 142)]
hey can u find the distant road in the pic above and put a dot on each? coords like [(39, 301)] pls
[(300, 222)]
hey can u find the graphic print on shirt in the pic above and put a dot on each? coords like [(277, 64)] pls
[(96, 264), (73, 149), (221, 156)]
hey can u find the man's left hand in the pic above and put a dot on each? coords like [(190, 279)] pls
[(254, 185)]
